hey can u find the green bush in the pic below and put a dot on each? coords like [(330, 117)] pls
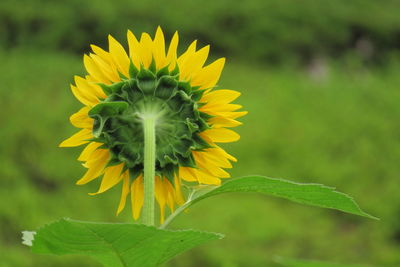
[(272, 31)]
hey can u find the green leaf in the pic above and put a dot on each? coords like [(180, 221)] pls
[(117, 245), (309, 194), (311, 263)]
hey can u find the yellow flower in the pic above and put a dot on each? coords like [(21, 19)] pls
[(193, 118)]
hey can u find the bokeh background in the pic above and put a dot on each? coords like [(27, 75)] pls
[(321, 82)]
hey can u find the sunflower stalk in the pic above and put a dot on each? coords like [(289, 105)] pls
[(149, 129)]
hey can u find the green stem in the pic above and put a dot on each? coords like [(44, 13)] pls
[(149, 123)]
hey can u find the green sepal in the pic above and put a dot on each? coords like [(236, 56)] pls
[(193, 127), (113, 162), (106, 89), (187, 111), (152, 66), (205, 116), (184, 97), (98, 126), (175, 71), (185, 86), (165, 87), (122, 76), (133, 93), (102, 112), (110, 89), (203, 125), (108, 109), (169, 172), (183, 147), (162, 72), (200, 143), (133, 71), (195, 88), (186, 161), (197, 94), (168, 159), (100, 139), (135, 172), (146, 81)]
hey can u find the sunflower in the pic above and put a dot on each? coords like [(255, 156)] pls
[(192, 117)]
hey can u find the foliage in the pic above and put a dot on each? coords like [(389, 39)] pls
[(271, 31), (308, 263)]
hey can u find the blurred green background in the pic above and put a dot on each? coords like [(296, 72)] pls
[(321, 82)]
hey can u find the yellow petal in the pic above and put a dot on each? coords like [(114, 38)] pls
[(205, 178), (193, 63), (125, 192), (112, 176), (134, 49), (78, 139), (214, 171), (178, 193), (172, 50), (183, 59), (106, 68), (88, 150), (82, 97), (94, 70), (235, 115), (220, 122), (208, 76), (160, 197), (103, 55), (119, 55), (211, 154), (91, 91), (137, 196), (187, 174), (223, 96), (159, 49), (96, 166), (215, 108), (221, 135), (96, 156), (209, 166), (222, 153), (81, 119), (231, 115), (146, 49), (169, 195)]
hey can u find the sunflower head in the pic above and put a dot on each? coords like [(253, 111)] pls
[(178, 92), (174, 105)]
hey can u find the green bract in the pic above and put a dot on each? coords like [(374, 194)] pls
[(174, 104)]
